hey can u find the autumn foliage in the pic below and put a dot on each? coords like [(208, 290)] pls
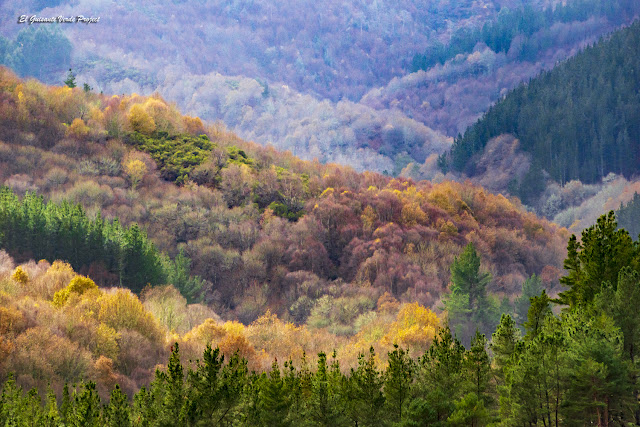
[(267, 254)]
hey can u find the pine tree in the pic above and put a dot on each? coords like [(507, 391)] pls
[(323, 407), (174, 389), (468, 305), (117, 412), (274, 400), (531, 287), (51, 415), (397, 385), (538, 312), (598, 388), (86, 407), (65, 406), (598, 258), (438, 382), (478, 369), (365, 401), (71, 79), (503, 346)]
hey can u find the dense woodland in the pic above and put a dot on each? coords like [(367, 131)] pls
[(572, 368), (522, 23), (578, 121), (297, 82), (258, 229), (235, 245), (158, 270)]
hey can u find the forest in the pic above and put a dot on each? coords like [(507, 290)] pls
[(339, 88), (571, 362), (257, 229), (578, 121), (160, 268), (521, 22), (127, 226)]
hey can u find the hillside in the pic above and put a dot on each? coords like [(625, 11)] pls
[(342, 89), (579, 121), (106, 343), (188, 233), (264, 222)]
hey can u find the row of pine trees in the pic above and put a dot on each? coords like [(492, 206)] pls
[(105, 250)]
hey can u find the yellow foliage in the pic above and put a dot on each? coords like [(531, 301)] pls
[(81, 284), (60, 267), (78, 129), (123, 310), (135, 170), (20, 276), (446, 227), (106, 342), (96, 114), (140, 120), (78, 286), (412, 215), (60, 298), (327, 192), (229, 337), (415, 326), (161, 114), (368, 217)]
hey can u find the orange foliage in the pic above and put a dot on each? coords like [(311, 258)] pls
[(193, 125), (104, 372), (387, 304), (229, 337), (44, 357), (11, 321)]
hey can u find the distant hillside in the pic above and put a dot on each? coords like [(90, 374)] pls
[(456, 80), (293, 75), (334, 49), (261, 229), (579, 121)]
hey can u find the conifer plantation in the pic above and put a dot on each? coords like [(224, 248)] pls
[(578, 121)]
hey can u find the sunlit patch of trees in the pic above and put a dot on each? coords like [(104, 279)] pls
[(57, 326)]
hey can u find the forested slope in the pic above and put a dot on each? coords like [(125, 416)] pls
[(294, 75), (572, 368), (578, 121), (261, 229), (136, 196)]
